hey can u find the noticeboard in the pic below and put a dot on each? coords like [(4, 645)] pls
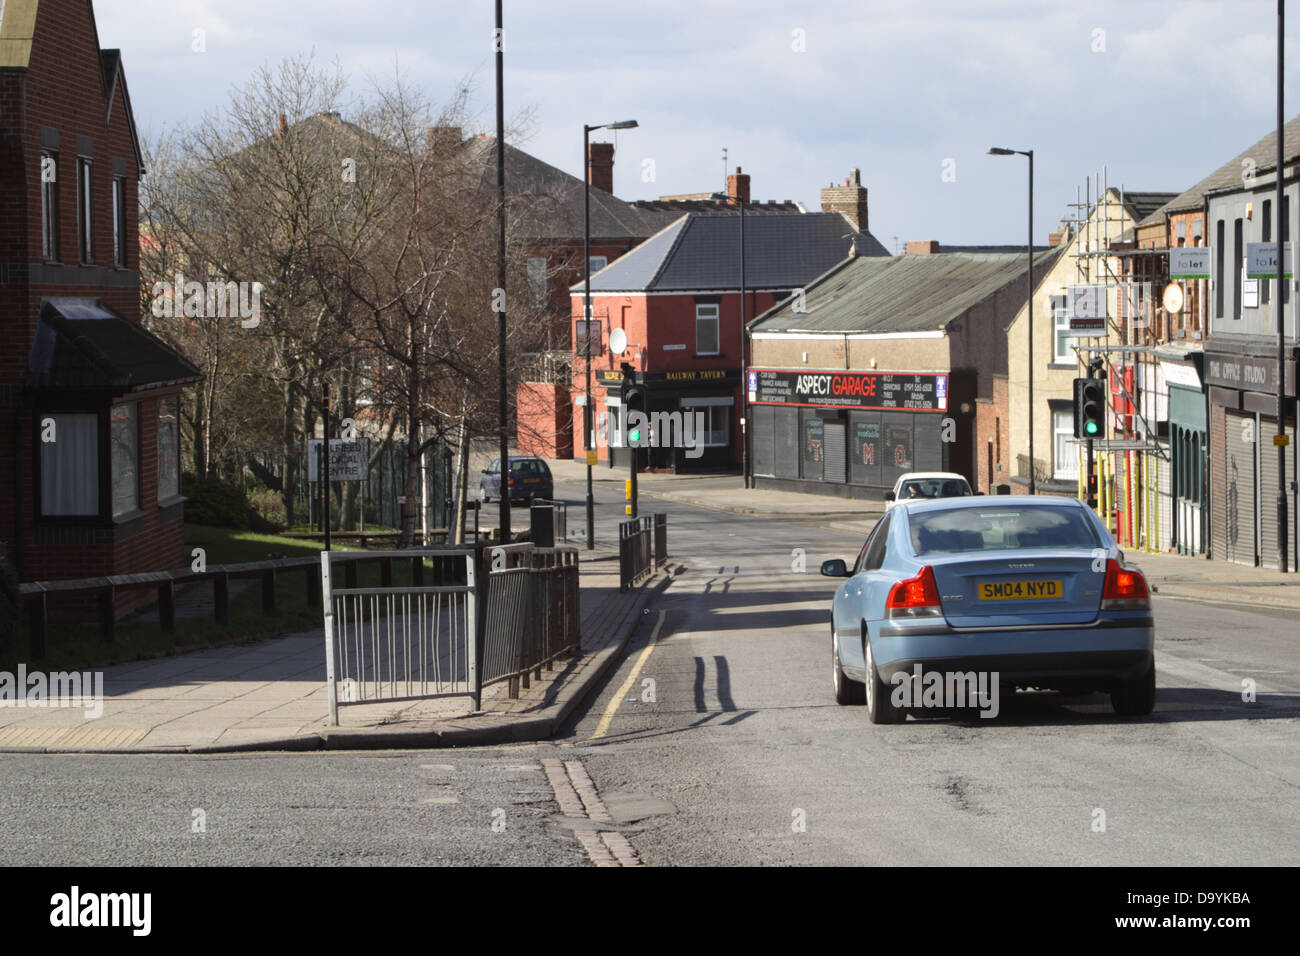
[(349, 459)]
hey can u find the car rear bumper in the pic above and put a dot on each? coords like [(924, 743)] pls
[(1120, 649)]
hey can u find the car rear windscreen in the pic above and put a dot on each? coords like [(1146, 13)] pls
[(1001, 529)]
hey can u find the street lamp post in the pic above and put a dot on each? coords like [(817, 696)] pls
[(1029, 299), (744, 394), (588, 420)]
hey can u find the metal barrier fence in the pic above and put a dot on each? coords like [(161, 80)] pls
[(392, 644), (490, 614), (642, 547)]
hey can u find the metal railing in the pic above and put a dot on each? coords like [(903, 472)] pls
[(491, 613), (392, 644), (642, 548)]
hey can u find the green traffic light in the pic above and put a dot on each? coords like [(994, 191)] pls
[(635, 434), (1090, 428)]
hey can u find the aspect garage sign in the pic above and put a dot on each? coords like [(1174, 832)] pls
[(925, 391)]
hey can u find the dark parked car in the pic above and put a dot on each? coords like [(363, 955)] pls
[(529, 478)]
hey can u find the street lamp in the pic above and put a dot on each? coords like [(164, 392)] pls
[(1029, 299), (588, 420), (744, 394)]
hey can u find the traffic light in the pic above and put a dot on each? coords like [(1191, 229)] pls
[(1089, 407), (634, 399)]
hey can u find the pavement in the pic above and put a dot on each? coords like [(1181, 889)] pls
[(270, 695)]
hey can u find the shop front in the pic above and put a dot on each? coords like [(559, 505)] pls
[(692, 420), (1242, 397), (849, 433)]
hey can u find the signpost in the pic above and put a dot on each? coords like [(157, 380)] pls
[(1087, 307), (1261, 260), (1191, 263)]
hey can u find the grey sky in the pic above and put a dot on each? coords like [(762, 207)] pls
[(894, 88)]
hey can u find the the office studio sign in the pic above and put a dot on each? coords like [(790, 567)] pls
[(877, 390)]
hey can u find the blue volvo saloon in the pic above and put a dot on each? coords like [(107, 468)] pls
[(1021, 591)]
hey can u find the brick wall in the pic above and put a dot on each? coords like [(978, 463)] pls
[(991, 435)]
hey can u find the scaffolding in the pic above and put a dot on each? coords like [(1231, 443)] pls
[(1133, 464)]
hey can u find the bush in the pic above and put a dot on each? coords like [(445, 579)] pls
[(270, 506), (219, 505), (10, 603)]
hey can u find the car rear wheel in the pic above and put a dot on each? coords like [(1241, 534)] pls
[(1136, 697), (847, 692), (880, 709)]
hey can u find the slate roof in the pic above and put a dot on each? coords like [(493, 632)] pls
[(81, 343), (1264, 154), (912, 293), (700, 251), (554, 207)]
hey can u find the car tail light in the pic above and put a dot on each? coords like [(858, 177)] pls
[(1125, 589), (914, 597)]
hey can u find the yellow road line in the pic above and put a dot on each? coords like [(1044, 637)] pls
[(603, 727)]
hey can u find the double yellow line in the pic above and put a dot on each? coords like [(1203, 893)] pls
[(607, 718)]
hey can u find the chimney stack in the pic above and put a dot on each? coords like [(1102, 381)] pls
[(738, 188), (600, 166), (849, 199), (922, 247)]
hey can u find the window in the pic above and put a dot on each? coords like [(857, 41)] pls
[(1196, 230), (84, 219), (1240, 265), (1218, 270), (70, 464), (1065, 455), (125, 458), (119, 222), (1063, 355), (169, 448), (49, 206), (1181, 228), (1265, 286), (537, 281), (580, 336), (706, 330), (877, 544), (596, 263), (1001, 528)]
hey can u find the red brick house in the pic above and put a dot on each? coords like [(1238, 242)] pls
[(677, 299), (90, 462)]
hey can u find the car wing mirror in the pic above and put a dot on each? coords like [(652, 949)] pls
[(889, 496), (835, 568)]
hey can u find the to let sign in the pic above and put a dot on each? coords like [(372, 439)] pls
[(1189, 263), (1261, 260), (1087, 306)]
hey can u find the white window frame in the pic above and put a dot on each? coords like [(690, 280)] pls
[(112, 459), (596, 263), (1065, 456), (85, 210), (1062, 353), (703, 316), (583, 326)]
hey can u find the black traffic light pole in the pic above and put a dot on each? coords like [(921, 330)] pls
[(1091, 476)]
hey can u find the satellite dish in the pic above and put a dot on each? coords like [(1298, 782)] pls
[(617, 341), (1173, 298)]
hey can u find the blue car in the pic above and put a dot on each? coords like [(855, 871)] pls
[(529, 478), (1003, 592)]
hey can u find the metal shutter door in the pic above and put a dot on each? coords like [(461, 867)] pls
[(864, 449), (835, 467), (762, 430), (785, 445), (813, 444), (1239, 488), (1268, 497)]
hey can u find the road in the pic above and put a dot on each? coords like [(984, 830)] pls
[(721, 744)]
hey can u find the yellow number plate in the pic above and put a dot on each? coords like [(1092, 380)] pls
[(1020, 590)]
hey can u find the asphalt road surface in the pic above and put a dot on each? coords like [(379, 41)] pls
[(719, 742)]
